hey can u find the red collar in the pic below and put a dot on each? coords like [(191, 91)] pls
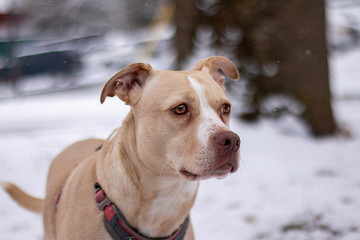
[(117, 225)]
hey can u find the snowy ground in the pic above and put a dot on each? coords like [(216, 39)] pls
[(289, 185)]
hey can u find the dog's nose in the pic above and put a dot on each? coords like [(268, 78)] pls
[(228, 140)]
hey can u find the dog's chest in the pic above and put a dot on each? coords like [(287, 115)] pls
[(170, 204), (166, 200)]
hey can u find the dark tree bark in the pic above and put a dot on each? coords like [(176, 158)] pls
[(306, 68), (186, 21), (288, 35)]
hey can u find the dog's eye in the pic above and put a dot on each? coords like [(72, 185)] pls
[(180, 110), (225, 109)]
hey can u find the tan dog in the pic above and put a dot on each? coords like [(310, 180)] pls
[(175, 134)]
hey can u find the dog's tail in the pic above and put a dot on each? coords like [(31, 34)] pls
[(23, 199)]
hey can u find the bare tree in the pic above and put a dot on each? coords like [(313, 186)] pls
[(281, 49)]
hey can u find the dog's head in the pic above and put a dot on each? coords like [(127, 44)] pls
[(181, 117)]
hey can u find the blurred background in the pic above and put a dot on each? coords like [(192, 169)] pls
[(281, 48), (296, 106)]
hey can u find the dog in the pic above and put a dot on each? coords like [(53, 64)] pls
[(147, 172)]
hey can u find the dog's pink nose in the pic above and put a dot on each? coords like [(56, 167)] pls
[(229, 141)]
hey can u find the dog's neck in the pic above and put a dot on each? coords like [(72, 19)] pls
[(155, 203)]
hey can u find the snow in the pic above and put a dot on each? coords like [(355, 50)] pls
[(347, 84), (289, 185)]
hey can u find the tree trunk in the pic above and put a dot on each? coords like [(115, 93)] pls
[(303, 70), (186, 22), (287, 35)]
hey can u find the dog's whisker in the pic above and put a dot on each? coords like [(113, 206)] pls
[(163, 166)]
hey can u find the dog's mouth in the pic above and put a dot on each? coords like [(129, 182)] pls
[(189, 175), (219, 172), (222, 171)]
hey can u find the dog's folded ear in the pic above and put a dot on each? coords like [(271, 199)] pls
[(212, 65), (127, 83)]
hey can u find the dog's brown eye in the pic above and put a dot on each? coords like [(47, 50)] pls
[(225, 109), (180, 110)]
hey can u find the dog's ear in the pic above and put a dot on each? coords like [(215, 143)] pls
[(127, 83), (212, 65)]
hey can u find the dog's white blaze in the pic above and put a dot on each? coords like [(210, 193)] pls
[(209, 118)]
